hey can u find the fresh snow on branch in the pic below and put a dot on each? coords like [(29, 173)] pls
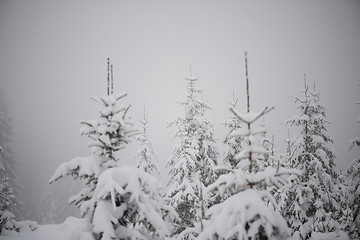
[(242, 216), (129, 205), (192, 164)]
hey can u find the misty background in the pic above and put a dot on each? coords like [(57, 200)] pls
[(53, 59)]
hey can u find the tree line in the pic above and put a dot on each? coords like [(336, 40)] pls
[(249, 193)]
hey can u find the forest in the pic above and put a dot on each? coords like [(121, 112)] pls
[(246, 190), (262, 146)]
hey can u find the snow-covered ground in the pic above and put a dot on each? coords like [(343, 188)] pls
[(78, 229), (71, 229)]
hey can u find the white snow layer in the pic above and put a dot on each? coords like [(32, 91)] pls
[(84, 166), (71, 229), (142, 193), (228, 219)]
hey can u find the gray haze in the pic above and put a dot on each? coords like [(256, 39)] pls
[(53, 59)]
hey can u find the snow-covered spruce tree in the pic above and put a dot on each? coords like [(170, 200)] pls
[(146, 155), (7, 170), (353, 179), (6, 152), (346, 219), (120, 202), (266, 159), (353, 182), (288, 159), (247, 213), (6, 202), (192, 164), (7, 217), (356, 141), (232, 145), (310, 205), (5, 141)]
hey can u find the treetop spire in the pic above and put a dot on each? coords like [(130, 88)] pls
[(110, 78), (145, 121), (247, 82), (191, 79)]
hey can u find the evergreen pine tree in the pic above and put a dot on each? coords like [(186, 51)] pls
[(268, 158), (310, 205), (6, 154), (7, 170), (5, 141), (107, 134), (193, 162), (8, 185), (288, 159), (7, 217), (6, 201), (233, 145), (246, 214), (120, 202), (353, 182), (356, 141), (146, 154)]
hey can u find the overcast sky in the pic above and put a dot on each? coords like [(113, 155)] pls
[(53, 59)]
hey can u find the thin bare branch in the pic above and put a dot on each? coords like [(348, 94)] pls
[(262, 113)]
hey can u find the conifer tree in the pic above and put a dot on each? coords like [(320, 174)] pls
[(246, 213), (353, 182), (5, 140), (356, 141), (233, 145), (146, 154), (6, 201), (288, 159), (7, 169), (193, 162), (310, 205), (345, 197), (268, 158), (120, 202), (9, 205), (7, 217), (6, 154)]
